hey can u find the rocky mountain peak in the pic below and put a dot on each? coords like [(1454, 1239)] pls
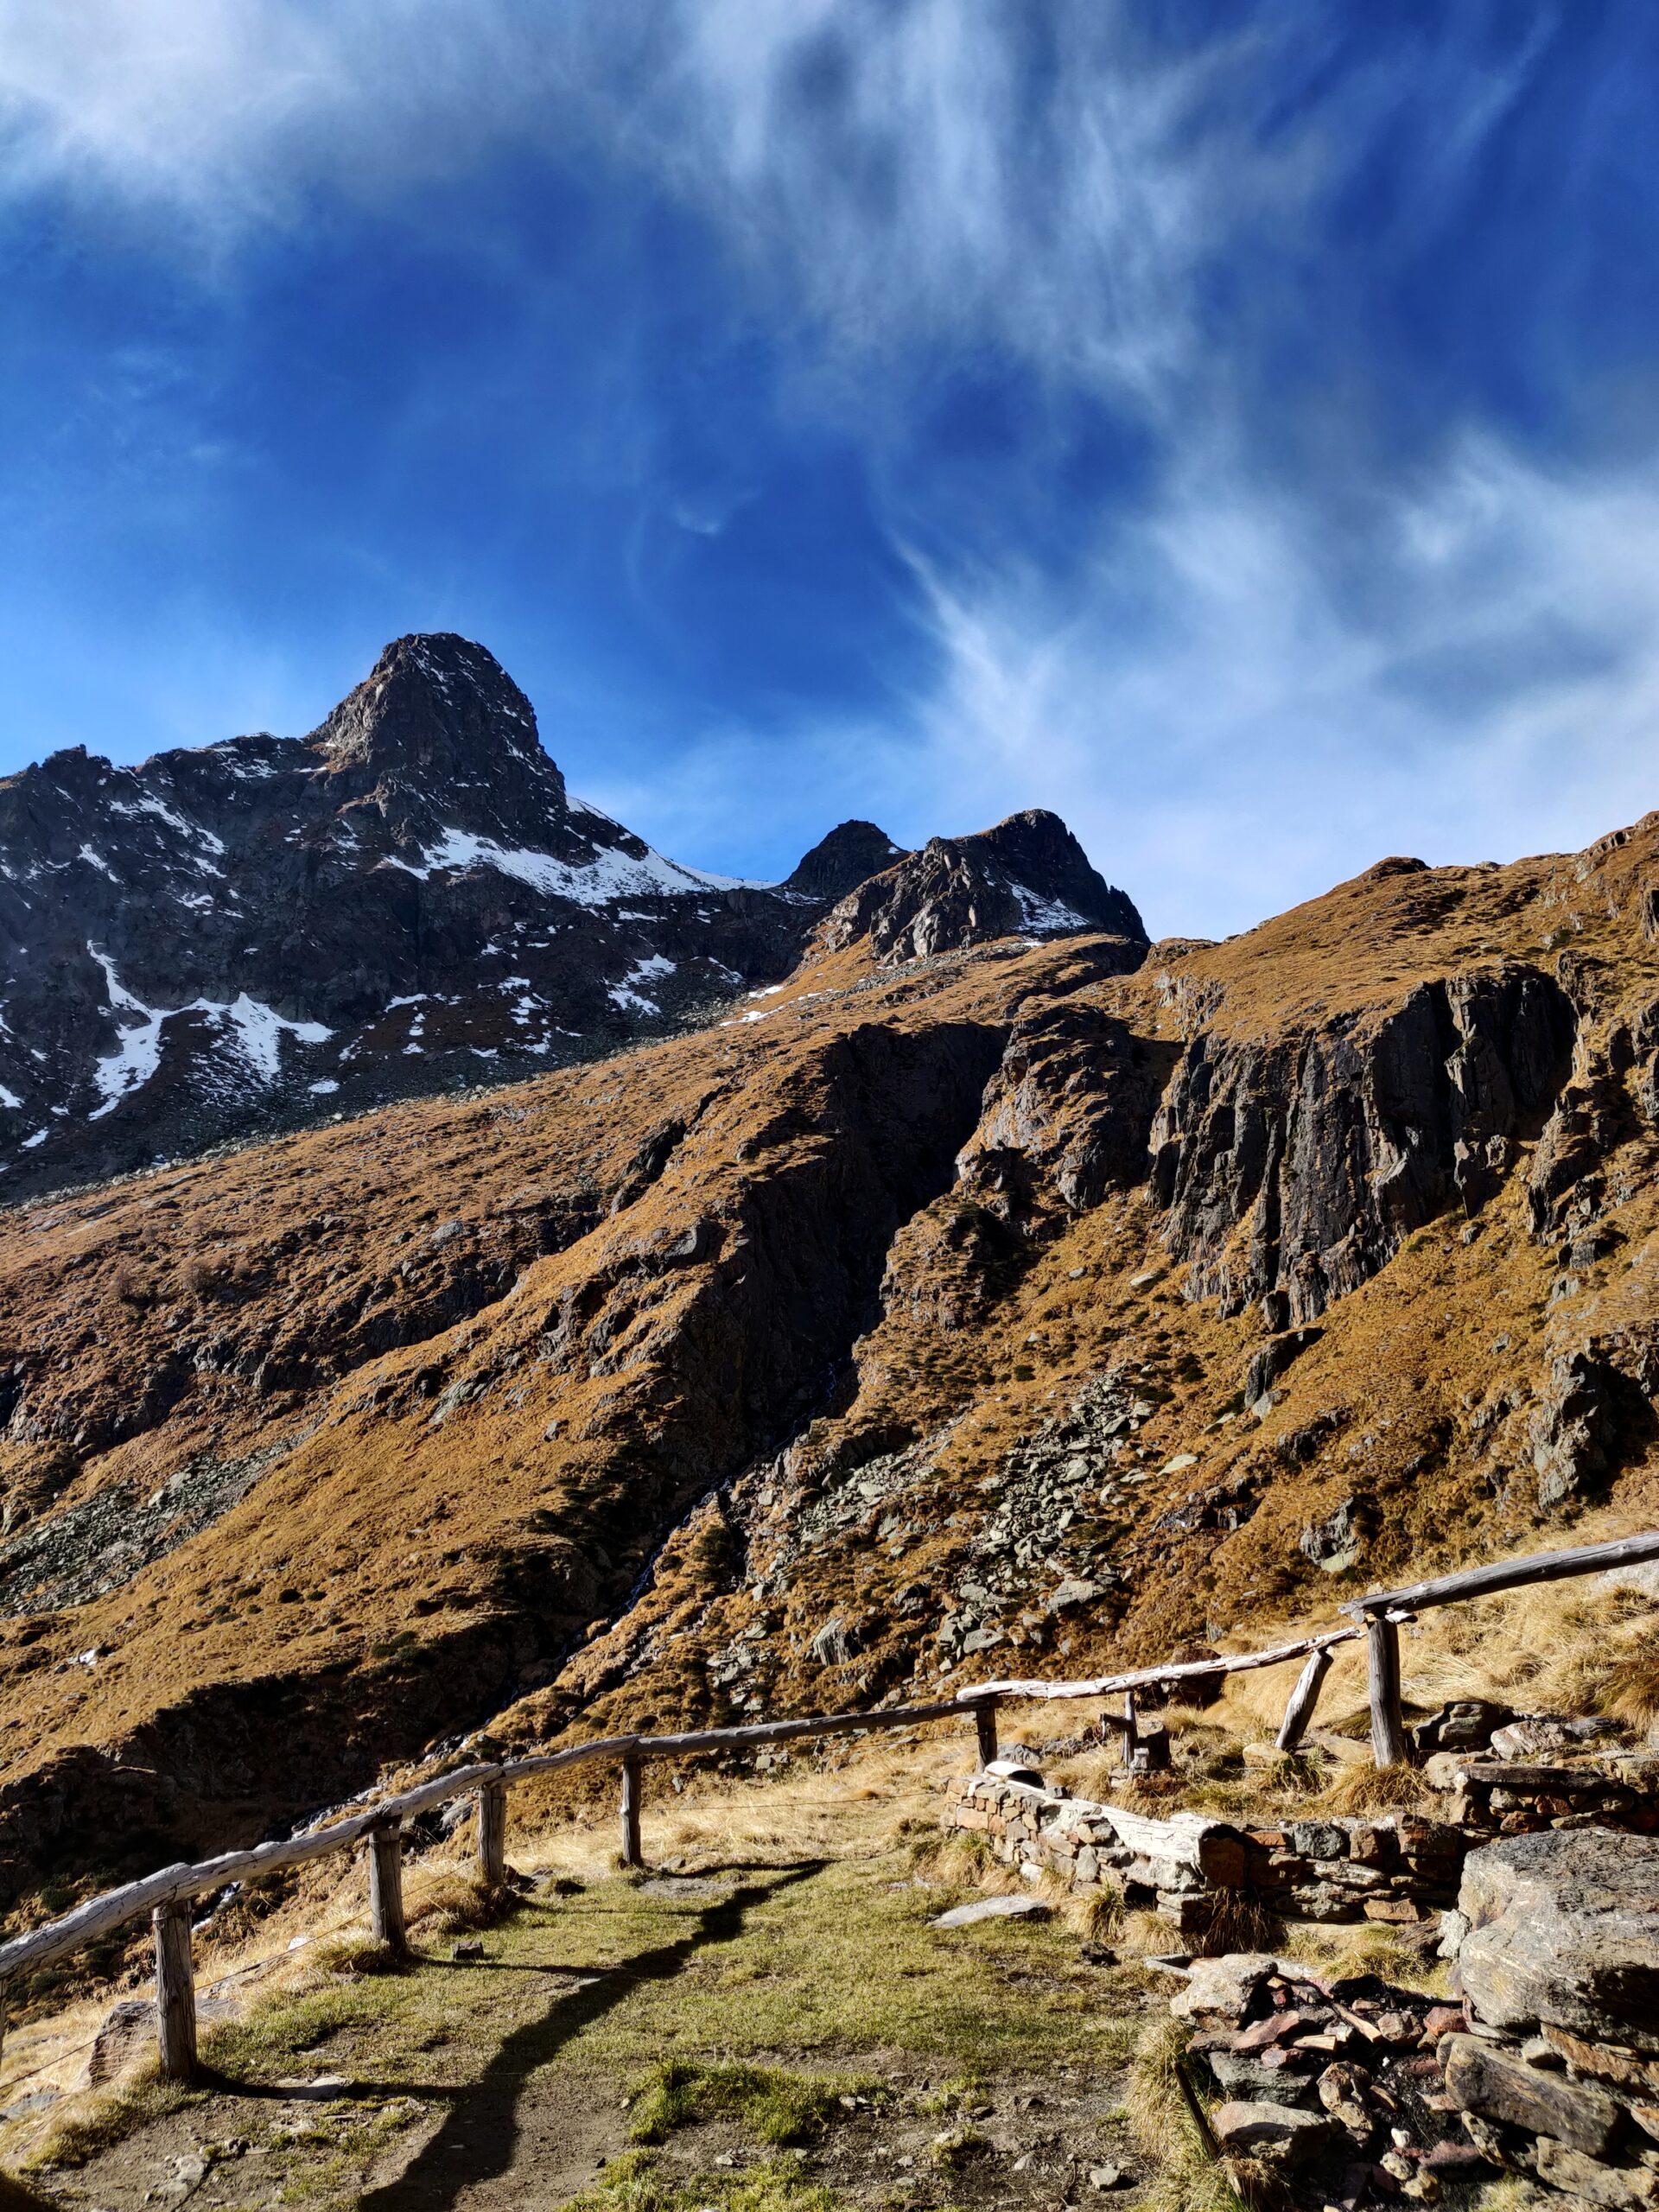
[(277, 930), (1026, 876), (439, 729), (852, 852)]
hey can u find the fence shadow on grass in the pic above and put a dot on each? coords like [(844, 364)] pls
[(477, 2140)]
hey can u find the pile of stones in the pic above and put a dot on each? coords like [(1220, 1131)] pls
[(1544, 2064), (1335, 2082), (1511, 1773)]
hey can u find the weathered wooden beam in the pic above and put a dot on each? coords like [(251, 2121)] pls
[(1391, 1746), (1508, 1574), (985, 1731), (387, 1886), (1240, 1662), (1129, 1734), (1303, 1699), (756, 1733), (492, 1833), (114, 1907), (629, 1812), (175, 1992)]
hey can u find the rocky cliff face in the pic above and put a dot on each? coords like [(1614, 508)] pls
[(277, 930), (1293, 1169)]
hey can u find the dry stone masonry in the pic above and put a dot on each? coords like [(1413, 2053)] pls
[(1399, 1869)]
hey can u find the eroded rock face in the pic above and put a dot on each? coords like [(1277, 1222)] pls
[(1028, 876), (1564, 1929), (1068, 1113), (1299, 1164), (1571, 1429)]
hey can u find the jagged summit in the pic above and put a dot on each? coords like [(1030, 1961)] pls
[(1027, 876), (839, 862), (277, 929), (438, 728)]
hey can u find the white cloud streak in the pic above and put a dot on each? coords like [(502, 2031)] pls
[(1265, 740)]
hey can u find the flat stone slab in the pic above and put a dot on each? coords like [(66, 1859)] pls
[(1499, 2086), (1564, 1930), (1278, 2130), (968, 1915)]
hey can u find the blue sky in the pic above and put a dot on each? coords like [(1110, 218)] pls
[(1232, 425)]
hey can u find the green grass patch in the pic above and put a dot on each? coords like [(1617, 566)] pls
[(966, 2093), (765, 1998), (635, 2183), (775, 2107)]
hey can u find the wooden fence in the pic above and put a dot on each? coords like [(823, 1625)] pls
[(166, 1897)]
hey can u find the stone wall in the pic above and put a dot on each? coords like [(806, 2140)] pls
[(1494, 1797), (1399, 1868)]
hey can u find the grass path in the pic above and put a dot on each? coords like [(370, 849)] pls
[(810, 1988)]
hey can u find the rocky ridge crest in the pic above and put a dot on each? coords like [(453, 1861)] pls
[(278, 931)]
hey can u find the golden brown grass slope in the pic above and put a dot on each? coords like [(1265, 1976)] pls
[(875, 1311)]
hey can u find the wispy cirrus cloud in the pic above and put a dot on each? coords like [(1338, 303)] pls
[(1268, 736)]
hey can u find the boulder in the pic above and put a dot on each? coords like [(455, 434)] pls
[(1273, 2131), (1465, 1724), (1343, 2092), (1016, 1908), (1564, 1929), (1334, 1543), (1625, 2188), (1498, 2085), (1238, 2074), (126, 2036), (1538, 1734), (1221, 1988)]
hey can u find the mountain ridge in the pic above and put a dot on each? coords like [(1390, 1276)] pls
[(269, 931)]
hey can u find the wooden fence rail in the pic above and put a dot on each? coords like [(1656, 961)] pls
[(165, 1897)]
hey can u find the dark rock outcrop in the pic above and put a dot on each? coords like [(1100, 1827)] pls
[(1068, 1112), (1571, 1429), (1298, 1165), (841, 861), (1028, 876)]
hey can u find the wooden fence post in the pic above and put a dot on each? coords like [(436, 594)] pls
[(1390, 1743), (631, 1854), (1129, 1731), (1303, 1699), (387, 1886), (175, 1992), (985, 1731), (492, 1833)]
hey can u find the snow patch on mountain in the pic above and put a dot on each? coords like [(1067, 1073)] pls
[(256, 1033), (1045, 917), (610, 875)]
